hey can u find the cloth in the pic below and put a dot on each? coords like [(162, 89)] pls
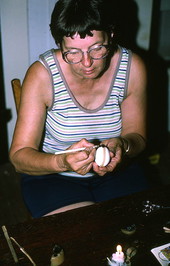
[(68, 122), (43, 194)]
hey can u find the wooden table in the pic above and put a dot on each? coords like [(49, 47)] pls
[(89, 234)]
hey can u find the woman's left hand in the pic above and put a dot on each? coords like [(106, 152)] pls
[(116, 154)]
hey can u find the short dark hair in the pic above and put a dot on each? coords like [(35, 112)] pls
[(82, 17)]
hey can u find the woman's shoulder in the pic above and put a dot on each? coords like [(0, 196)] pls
[(133, 55), (37, 81), (138, 73), (37, 70), (138, 64), (49, 54), (136, 61)]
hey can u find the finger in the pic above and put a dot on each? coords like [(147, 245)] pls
[(99, 170), (84, 169)]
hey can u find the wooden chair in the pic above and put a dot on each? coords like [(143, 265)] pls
[(16, 87)]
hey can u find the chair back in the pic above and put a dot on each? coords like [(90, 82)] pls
[(16, 87)]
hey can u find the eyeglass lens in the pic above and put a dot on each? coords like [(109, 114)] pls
[(76, 56)]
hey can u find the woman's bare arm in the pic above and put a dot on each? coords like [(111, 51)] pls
[(134, 108), (24, 152), (133, 136), (36, 97)]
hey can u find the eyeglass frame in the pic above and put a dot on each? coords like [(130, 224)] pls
[(88, 51)]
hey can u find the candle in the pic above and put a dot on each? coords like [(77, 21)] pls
[(118, 257)]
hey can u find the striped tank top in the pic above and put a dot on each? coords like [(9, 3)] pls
[(68, 122)]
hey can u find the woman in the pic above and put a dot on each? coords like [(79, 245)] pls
[(89, 91)]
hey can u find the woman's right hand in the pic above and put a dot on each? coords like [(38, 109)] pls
[(80, 162)]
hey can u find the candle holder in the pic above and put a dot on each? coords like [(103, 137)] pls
[(118, 258), (57, 256), (111, 262)]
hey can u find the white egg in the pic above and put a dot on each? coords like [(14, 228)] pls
[(102, 157)]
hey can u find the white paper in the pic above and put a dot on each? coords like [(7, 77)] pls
[(156, 252)]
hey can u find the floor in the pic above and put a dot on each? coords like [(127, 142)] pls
[(13, 210)]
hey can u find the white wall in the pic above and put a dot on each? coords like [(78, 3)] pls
[(40, 38), (144, 16), (14, 48), (25, 34)]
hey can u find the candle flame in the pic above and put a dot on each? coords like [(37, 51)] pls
[(119, 249)]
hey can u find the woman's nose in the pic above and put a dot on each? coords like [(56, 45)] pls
[(87, 61)]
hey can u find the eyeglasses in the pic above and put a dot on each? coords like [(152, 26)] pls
[(75, 56)]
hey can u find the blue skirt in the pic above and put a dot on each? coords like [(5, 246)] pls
[(46, 193)]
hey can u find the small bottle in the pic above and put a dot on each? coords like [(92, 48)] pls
[(57, 257)]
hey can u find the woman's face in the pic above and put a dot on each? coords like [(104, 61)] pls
[(88, 68)]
